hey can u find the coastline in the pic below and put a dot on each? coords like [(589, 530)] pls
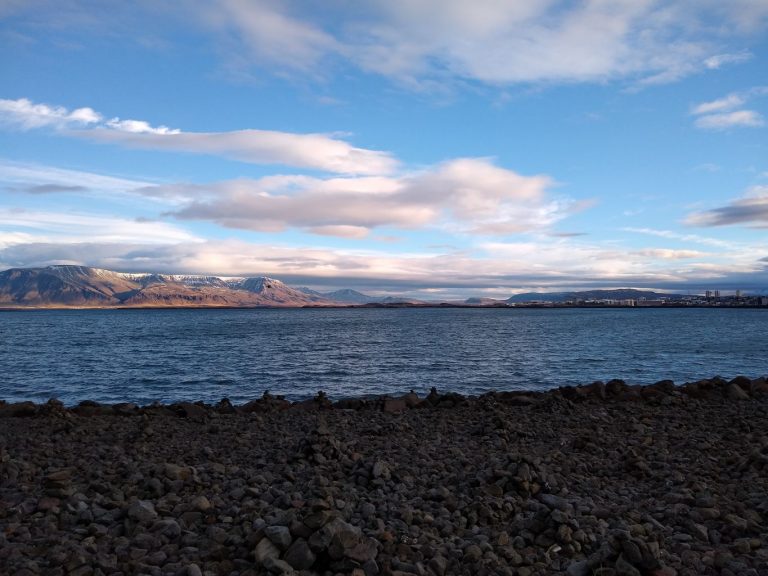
[(553, 306), (606, 479)]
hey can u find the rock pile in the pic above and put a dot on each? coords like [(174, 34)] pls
[(606, 479)]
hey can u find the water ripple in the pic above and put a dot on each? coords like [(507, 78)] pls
[(167, 355)]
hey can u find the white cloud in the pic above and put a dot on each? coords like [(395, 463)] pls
[(75, 227), (694, 238), (728, 102), (722, 113), (139, 127), (436, 42), (719, 60), (31, 177), (724, 120), (464, 195), (26, 115), (269, 34), (315, 151), (669, 254), (495, 41)]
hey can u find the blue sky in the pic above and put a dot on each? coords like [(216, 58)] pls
[(431, 148)]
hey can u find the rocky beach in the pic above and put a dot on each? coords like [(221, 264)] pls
[(606, 479)]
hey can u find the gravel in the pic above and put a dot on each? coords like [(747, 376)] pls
[(607, 479)]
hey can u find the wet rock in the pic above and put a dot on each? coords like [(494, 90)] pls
[(736, 392)]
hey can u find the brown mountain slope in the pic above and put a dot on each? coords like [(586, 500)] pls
[(80, 286)]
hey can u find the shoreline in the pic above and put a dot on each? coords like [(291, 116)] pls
[(375, 306), (604, 479), (615, 390)]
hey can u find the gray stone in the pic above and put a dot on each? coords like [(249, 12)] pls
[(277, 566), (142, 511), (439, 565), (580, 568), (265, 550), (381, 470), (168, 527), (279, 536)]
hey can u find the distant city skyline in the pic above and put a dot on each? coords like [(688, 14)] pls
[(428, 149)]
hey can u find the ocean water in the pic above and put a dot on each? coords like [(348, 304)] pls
[(168, 355)]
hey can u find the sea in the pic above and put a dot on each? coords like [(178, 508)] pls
[(146, 356)]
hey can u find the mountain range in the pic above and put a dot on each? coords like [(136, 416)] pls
[(66, 286), (80, 286)]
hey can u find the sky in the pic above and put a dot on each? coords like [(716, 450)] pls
[(429, 148)]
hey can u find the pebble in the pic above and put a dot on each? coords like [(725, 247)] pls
[(610, 480)]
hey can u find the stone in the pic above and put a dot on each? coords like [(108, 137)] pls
[(142, 511), (23, 409), (439, 565), (736, 392), (201, 504), (556, 502), (381, 469), (394, 405), (300, 555), (176, 472), (192, 411), (168, 527), (624, 568), (580, 568), (473, 553), (280, 536), (277, 566), (343, 540), (265, 550), (125, 408)]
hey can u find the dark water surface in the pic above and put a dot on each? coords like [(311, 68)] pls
[(167, 355)]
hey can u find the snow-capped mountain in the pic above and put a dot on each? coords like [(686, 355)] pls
[(81, 286)]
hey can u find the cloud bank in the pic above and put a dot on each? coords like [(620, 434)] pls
[(495, 41), (494, 268), (467, 195), (313, 151)]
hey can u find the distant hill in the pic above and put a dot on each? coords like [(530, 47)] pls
[(81, 286), (617, 294), (348, 296), (344, 296), (478, 301)]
